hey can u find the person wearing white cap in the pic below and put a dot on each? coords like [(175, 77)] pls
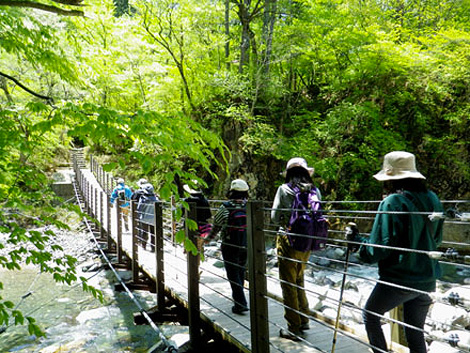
[(402, 222), (230, 221), (297, 175), (123, 193)]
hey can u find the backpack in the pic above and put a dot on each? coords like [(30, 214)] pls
[(307, 221), (146, 208), (122, 194), (148, 198), (236, 223)]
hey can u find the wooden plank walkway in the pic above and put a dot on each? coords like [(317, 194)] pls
[(215, 299)]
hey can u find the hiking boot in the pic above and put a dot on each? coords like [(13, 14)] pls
[(239, 309), (289, 335), (305, 327)]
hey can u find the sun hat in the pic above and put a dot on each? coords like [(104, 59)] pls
[(298, 162), (120, 181), (239, 185), (189, 189), (398, 165), (142, 181)]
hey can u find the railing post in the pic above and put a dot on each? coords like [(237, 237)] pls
[(101, 214), (95, 204), (90, 198), (193, 282), (119, 230), (159, 261), (87, 197), (173, 221), (257, 277), (135, 250), (82, 189), (108, 222), (98, 173)]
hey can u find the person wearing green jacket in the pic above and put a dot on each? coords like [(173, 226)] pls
[(407, 275)]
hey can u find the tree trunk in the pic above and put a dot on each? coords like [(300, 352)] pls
[(227, 33)]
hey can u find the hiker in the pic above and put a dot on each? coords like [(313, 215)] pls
[(230, 220), (145, 197), (394, 226), (203, 212), (123, 193), (298, 177)]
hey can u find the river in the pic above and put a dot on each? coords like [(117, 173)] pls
[(73, 320)]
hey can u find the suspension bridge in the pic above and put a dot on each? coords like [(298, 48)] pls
[(201, 289)]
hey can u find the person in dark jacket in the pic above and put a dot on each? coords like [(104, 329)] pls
[(145, 197), (203, 211), (405, 276), (230, 221)]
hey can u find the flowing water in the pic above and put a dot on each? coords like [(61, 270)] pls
[(73, 320)]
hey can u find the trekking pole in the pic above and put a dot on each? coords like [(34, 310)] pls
[(351, 233)]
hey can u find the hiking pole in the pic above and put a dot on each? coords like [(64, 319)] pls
[(351, 233)]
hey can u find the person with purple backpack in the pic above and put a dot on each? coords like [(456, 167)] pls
[(289, 212)]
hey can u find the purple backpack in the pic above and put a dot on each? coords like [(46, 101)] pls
[(307, 228)]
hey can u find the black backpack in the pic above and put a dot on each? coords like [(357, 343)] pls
[(236, 223), (122, 194)]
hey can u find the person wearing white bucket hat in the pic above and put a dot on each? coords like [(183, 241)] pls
[(230, 221), (402, 222)]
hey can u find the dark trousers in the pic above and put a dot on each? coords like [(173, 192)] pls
[(144, 230), (415, 308), (235, 265)]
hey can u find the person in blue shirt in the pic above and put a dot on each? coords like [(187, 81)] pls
[(122, 193)]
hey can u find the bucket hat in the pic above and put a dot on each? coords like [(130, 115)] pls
[(120, 181), (298, 162), (189, 189), (398, 165), (239, 185), (142, 181)]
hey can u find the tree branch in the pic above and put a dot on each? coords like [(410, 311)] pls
[(70, 2), (45, 7), (49, 99)]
